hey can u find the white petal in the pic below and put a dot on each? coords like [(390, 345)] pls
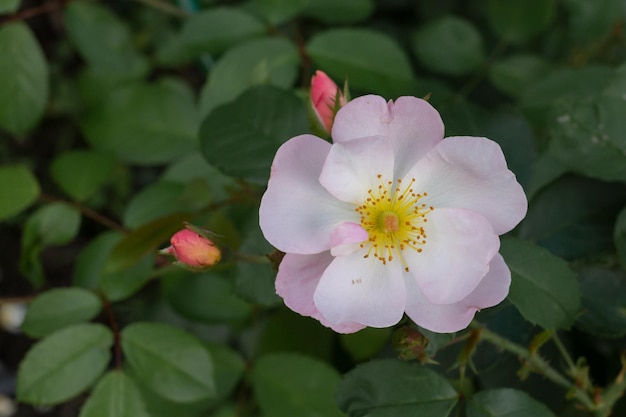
[(297, 213), (298, 276), (459, 246), (354, 289), (352, 168), (449, 318), (471, 173)]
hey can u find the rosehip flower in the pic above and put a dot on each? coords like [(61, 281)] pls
[(324, 93), (193, 250), (390, 219)]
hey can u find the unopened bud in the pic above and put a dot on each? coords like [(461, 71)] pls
[(193, 250), (326, 99), (410, 344)]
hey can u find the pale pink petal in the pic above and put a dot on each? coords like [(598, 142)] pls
[(297, 213), (354, 289), (471, 173), (459, 245), (345, 238), (353, 168), (412, 124), (298, 276), (449, 318)]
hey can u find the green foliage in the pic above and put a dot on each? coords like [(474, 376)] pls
[(604, 302), (95, 169), (169, 361), (23, 79), (390, 388), (64, 364), (506, 402), (9, 6), (287, 385), (338, 12), (543, 288), (114, 396), (18, 189), (520, 20), (59, 308)]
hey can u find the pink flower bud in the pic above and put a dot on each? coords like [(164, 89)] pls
[(324, 93), (193, 250)]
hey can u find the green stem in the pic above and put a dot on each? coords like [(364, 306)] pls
[(540, 365)]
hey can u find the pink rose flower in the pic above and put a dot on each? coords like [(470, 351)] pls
[(390, 219), (324, 93), (193, 250)]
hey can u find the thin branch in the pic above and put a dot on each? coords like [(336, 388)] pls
[(87, 212), (117, 346), (47, 7)]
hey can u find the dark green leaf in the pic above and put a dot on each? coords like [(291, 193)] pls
[(95, 169), (59, 308), (514, 74), (573, 217), (171, 362), (391, 388), (278, 11), (156, 200), (103, 40), (288, 385), (206, 297), (18, 189), (64, 364), (369, 60), (23, 79), (449, 45), (215, 30), (590, 20), (619, 236), (543, 288), (144, 124), (272, 61), (365, 343), (338, 12), (241, 138), (229, 368), (604, 302), (115, 396), (519, 20), (506, 402), (9, 6)]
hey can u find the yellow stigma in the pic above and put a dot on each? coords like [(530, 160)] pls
[(394, 219)]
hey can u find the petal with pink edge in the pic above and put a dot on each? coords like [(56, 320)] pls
[(354, 289), (298, 276), (353, 168), (412, 124), (449, 318), (459, 246), (346, 237), (297, 213), (471, 173)]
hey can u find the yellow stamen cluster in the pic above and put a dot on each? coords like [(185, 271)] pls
[(393, 217)]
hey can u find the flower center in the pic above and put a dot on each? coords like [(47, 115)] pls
[(394, 220)]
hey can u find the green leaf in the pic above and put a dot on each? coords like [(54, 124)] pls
[(588, 136), (390, 388), (64, 364), (206, 297), (171, 362), (279, 11), (241, 138), (229, 369), (115, 396), (95, 169), (506, 402), (214, 31), (156, 200), (59, 308), (143, 241), (369, 60), (604, 302), (449, 45), (339, 12), (619, 236), (23, 79), (514, 74), (89, 269), (574, 217), (519, 20), (9, 6), (272, 61), (543, 288), (144, 124), (18, 189), (54, 224), (365, 343), (288, 385), (591, 20), (103, 40)]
